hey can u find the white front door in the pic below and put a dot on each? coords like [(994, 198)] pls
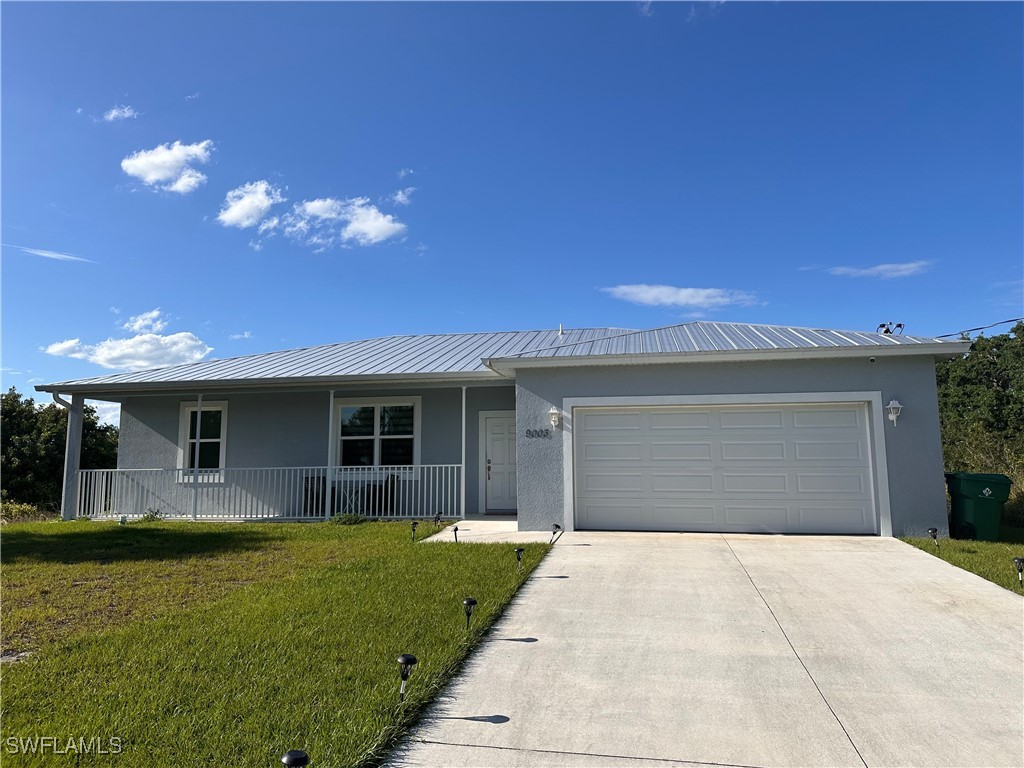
[(499, 462)]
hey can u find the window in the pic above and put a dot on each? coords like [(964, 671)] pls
[(202, 437), (378, 433)]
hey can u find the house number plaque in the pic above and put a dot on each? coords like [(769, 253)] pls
[(538, 433)]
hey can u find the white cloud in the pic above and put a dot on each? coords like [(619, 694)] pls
[(78, 111), (55, 255), (268, 225), (121, 112), (247, 205), (326, 222), (644, 8), (192, 96), (405, 172), (147, 322), (169, 166), (107, 413), (147, 350), (671, 296), (884, 271), (403, 196), (242, 335)]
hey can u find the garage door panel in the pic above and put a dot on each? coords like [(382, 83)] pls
[(753, 450), (751, 483), (751, 418), (681, 451), (830, 418), (681, 482), (829, 450), (790, 468)]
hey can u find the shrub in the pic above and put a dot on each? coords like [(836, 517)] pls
[(348, 519), (18, 512)]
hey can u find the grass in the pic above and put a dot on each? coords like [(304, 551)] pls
[(992, 560), (229, 644)]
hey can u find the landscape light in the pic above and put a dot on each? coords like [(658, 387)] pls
[(437, 519), (455, 532), (295, 757), (414, 524), (519, 559), (122, 520), (1019, 562), (468, 604), (555, 530), (934, 533), (405, 664)]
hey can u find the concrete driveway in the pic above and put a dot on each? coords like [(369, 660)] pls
[(644, 650)]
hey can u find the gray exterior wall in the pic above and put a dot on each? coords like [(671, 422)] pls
[(913, 447), (291, 429)]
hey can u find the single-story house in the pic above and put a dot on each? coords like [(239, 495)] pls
[(703, 426)]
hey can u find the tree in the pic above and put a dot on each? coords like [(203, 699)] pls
[(32, 440), (981, 407)]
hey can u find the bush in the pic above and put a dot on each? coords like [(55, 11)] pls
[(347, 519), (18, 512)]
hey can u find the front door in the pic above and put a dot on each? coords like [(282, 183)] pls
[(500, 462)]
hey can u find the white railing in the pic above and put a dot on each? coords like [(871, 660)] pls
[(279, 493)]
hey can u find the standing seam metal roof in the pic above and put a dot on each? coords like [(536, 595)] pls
[(464, 353)]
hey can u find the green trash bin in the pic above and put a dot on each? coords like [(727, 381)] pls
[(976, 504)]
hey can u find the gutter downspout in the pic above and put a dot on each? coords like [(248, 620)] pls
[(72, 454), (195, 458)]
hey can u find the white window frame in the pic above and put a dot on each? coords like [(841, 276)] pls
[(415, 401), (205, 475)]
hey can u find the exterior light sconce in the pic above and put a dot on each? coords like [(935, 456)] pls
[(468, 605), (405, 664), (295, 757), (934, 533), (555, 416), (519, 559), (1019, 562), (894, 407)]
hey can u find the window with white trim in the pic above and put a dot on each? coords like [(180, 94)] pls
[(378, 433), (202, 437)]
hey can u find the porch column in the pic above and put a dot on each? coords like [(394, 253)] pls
[(462, 476), (72, 455)]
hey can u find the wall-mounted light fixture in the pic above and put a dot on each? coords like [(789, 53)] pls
[(555, 416), (894, 409)]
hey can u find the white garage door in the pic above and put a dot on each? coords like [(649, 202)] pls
[(778, 468)]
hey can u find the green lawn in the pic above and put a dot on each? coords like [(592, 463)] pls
[(228, 644), (992, 560)]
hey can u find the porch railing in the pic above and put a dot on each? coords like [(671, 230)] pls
[(281, 493)]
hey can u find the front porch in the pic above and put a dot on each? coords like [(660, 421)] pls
[(278, 493)]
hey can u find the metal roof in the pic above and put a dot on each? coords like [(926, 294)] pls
[(481, 355), (719, 337)]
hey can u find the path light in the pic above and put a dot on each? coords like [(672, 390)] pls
[(934, 533), (1019, 562), (468, 604), (437, 519), (455, 532), (555, 530), (122, 520), (405, 664), (295, 757), (414, 524), (519, 559)]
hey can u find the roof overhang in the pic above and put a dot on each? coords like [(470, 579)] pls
[(507, 366), (101, 390)]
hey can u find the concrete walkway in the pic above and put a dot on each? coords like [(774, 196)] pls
[(644, 650)]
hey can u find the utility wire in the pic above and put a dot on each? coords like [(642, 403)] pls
[(981, 328)]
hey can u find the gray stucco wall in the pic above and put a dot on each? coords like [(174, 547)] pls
[(291, 429), (913, 447)]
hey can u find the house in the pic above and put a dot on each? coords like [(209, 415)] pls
[(703, 426)]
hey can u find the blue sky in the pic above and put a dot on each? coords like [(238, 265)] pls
[(189, 181)]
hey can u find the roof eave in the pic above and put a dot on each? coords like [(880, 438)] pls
[(509, 365), (217, 385)]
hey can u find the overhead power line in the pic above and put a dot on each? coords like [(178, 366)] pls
[(980, 328)]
